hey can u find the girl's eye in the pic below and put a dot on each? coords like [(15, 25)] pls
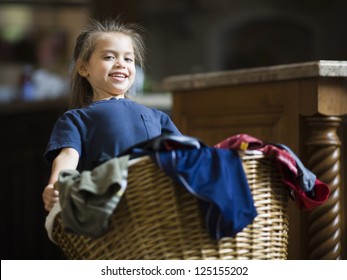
[(109, 57), (128, 59)]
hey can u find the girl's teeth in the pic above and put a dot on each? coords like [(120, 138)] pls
[(118, 75)]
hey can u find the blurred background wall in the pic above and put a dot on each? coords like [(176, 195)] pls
[(183, 36)]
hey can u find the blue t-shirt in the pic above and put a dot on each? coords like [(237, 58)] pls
[(106, 127)]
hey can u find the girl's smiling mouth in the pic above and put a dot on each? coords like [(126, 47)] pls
[(117, 75)]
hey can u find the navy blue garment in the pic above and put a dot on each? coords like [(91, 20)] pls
[(217, 178), (164, 142), (306, 178), (106, 127)]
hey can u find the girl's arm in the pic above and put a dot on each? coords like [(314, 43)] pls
[(67, 159)]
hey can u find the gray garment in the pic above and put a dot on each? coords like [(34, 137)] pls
[(88, 198)]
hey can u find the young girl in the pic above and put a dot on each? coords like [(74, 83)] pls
[(104, 120)]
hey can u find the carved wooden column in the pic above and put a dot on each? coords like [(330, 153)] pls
[(323, 153)]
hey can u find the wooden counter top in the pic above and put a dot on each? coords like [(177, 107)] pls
[(322, 68)]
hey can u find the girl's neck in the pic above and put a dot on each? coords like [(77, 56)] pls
[(98, 98)]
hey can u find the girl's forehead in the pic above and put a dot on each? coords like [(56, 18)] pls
[(114, 38), (114, 41)]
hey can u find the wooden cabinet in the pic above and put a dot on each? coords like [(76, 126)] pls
[(300, 105)]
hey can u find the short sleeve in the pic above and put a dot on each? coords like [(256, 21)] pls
[(66, 133), (167, 125)]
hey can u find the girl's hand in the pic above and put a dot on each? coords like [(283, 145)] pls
[(50, 196)]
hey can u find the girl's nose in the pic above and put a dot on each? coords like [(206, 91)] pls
[(119, 63)]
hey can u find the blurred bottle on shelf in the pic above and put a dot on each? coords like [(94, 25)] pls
[(26, 85)]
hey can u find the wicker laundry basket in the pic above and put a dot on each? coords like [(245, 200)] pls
[(159, 220)]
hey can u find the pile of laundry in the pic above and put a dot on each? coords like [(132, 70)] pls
[(214, 175)]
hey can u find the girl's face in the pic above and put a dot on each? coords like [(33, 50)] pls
[(111, 68)]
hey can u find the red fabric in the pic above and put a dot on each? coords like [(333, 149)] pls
[(287, 167), (235, 142)]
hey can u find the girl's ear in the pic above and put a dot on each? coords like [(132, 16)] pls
[(81, 68)]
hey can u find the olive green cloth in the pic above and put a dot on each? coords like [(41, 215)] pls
[(88, 198)]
